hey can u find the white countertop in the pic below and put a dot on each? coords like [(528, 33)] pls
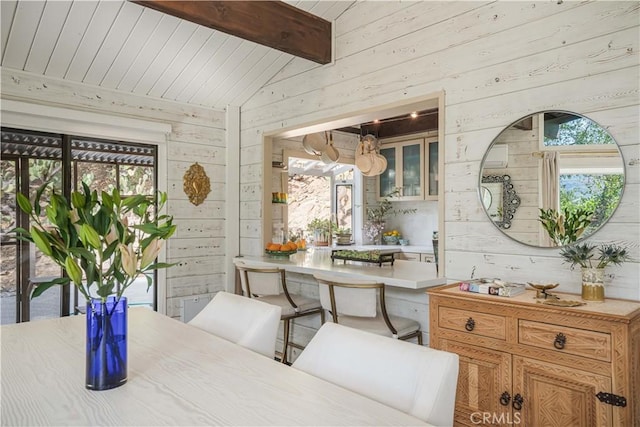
[(403, 274)]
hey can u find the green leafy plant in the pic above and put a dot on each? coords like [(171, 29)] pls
[(103, 244), (385, 207), (585, 255), (566, 227), (319, 225), (343, 231)]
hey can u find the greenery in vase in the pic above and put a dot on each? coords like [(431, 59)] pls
[(343, 231), (565, 227), (102, 243), (585, 255), (379, 213), (319, 225)]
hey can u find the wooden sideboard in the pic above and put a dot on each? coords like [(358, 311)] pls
[(529, 364)]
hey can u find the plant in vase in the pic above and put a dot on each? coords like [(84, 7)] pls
[(593, 264), (321, 230), (343, 236), (103, 244), (376, 216)]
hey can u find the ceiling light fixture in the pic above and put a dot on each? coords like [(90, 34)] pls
[(414, 115)]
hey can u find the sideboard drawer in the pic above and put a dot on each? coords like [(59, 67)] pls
[(488, 325), (579, 342)]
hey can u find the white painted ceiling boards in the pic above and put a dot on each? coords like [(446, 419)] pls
[(123, 46)]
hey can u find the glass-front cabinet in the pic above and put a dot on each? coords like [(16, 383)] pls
[(412, 166)]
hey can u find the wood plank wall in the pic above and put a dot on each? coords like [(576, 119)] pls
[(496, 62), (198, 135)]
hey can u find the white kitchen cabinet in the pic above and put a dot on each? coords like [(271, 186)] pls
[(412, 166)]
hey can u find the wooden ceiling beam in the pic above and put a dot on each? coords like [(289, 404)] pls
[(270, 23)]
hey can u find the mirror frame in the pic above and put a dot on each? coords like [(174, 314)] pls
[(510, 200)]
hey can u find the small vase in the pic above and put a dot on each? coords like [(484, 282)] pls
[(593, 284), (106, 343)]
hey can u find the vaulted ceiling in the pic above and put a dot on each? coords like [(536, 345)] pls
[(127, 47)]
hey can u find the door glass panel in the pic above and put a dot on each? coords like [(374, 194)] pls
[(411, 174), (433, 168), (98, 176), (344, 206), (41, 267), (8, 283), (136, 179), (388, 177)]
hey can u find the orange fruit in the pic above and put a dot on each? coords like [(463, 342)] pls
[(273, 247)]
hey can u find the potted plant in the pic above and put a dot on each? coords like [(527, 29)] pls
[(321, 230), (343, 236), (103, 244), (593, 261)]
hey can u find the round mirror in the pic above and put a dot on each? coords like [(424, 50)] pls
[(551, 178)]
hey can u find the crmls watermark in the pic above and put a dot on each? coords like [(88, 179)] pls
[(491, 418)]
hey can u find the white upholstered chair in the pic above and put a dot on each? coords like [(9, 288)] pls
[(361, 304), (414, 379), (249, 323), (270, 285)]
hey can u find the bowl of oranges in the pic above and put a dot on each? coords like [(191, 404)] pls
[(281, 250)]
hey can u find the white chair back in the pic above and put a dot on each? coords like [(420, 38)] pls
[(250, 323), (414, 379), (260, 283), (349, 301)]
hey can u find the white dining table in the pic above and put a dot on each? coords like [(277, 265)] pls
[(178, 375)]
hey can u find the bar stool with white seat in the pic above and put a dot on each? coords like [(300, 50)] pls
[(361, 304), (270, 285)]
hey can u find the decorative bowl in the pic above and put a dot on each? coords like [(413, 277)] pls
[(279, 254), (390, 240)]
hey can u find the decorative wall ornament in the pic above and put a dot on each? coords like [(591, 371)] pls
[(196, 184)]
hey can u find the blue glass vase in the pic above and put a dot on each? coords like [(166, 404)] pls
[(106, 343)]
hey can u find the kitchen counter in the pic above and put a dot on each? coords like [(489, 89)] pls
[(403, 274), (399, 248)]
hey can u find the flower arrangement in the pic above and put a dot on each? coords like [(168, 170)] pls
[(585, 255), (565, 228), (103, 243)]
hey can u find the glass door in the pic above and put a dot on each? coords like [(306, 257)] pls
[(30, 159), (23, 265)]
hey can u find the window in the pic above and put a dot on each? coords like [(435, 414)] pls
[(29, 159)]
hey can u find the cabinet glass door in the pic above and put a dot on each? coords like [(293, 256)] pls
[(411, 170), (388, 177), (433, 168)]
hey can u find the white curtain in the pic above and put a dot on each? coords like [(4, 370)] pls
[(550, 189)]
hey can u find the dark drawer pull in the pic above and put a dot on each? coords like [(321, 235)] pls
[(560, 341), (470, 324), (517, 402), (505, 398)]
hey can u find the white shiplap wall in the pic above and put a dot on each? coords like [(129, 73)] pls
[(496, 62), (198, 135)]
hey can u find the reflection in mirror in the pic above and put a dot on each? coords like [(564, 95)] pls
[(499, 199), (560, 163)]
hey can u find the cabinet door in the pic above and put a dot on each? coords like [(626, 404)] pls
[(483, 377), (432, 170), (387, 180), (412, 170), (556, 396)]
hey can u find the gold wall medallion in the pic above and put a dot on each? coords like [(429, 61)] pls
[(196, 184)]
